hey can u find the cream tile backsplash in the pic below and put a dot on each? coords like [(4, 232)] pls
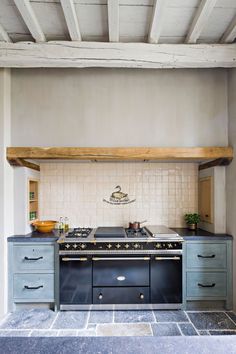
[(164, 192)]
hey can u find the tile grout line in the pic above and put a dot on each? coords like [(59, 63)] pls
[(29, 335), (151, 329), (113, 316), (54, 321), (230, 319), (180, 330), (87, 321)]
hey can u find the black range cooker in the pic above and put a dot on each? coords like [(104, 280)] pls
[(112, 267)]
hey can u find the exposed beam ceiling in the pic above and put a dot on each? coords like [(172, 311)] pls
[(28, 15), (127, 55), (200, 20), (157, 21), (113, 20), (71, 19), (230, 33), (4, 34)]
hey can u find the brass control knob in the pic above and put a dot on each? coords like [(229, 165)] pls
[(75, 245), (158, 245), (67, 246), (126, 245), (118, 246), (83, 246), (170, 245), (136, 245), (109, 246)]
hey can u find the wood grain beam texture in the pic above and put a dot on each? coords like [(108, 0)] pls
[(157, 21), (200, 20), (4, 35), (71, 18), (116, 55), (119, 153), (113, 20), (30, 19), (230, 33)]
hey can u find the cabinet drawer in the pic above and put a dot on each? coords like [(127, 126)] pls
[(33, 286), (203, 284), (206, 255), (122, 295), (33, 257)]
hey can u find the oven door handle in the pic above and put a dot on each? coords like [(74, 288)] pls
[(68, 259), (167, 258), (121, 259)]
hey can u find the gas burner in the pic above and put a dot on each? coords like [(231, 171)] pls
[(79, 232), (139, 233)]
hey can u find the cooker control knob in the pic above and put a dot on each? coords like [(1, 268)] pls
[(118, 246), (170, 245), (158, 245), (75, 245), (67, 246), (109, 246), (126, 245), (136, 245), (83, 246)]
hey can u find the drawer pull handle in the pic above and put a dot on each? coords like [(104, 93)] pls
[(206, 286), (32, 259), (120, 278), (100, 296), (167, 258), (33, 287), (141, 296), (200, 256), (68, 259)]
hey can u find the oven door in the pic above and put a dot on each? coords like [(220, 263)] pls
[(75, 280), (166, 279)]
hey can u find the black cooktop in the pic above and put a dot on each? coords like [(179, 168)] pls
[(79, 232), (139, 233), (110, 232)]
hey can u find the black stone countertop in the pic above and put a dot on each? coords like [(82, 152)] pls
[(35, 236), (200, 235)]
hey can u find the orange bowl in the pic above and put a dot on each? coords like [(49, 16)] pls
[(45, 226)]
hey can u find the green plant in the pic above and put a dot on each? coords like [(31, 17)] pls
[(192, 218)]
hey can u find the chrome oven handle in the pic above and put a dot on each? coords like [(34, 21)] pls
[(121, 259), (68, 259), (167, 258)]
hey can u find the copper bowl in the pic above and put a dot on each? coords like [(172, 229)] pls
[(45, 226)]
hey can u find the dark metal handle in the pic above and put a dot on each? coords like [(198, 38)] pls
[(33, 259), (100, 296), (33, 287), (141, 296), (212, 256), (206, 286)]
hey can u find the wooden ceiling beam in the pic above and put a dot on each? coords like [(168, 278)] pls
[(113, 20), (4, 35), (68, 7), (30, 19), (116, 55), (200, 20), (230, 33), (157, 21), (119, 153)]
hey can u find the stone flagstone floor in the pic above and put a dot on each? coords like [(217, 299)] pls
[(38, 322)]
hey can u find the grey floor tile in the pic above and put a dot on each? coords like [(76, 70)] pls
[(101, 317), (170, 316), (29, 319), (86, 333), (222, 333), (67, 333), (71, 320), (232, 315), (124, 329), (133, 316), (211, 320), (188, 329), (16, 333), (165, 329), (43, 333), (204, 333)]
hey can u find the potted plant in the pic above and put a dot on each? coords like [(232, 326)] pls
[(192, 220)]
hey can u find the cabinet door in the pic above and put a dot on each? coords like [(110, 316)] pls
[(205, 199)]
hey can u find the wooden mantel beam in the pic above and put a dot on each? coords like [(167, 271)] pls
[(116, 55), (119, 153)]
